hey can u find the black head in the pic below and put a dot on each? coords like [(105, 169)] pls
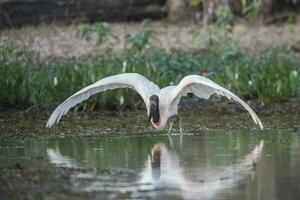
[(156, 162), (154, 109)]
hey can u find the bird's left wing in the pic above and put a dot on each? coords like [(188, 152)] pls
[(204, 88), (134, 81)]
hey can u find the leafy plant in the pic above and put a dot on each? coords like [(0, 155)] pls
[(250, 8), (101, 29), (218, 34), (224, 16), (137, 42), (196, 3)]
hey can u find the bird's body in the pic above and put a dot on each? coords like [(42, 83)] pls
[(161, 104)]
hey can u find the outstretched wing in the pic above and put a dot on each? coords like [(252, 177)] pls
[(134, 81), (204, 88)]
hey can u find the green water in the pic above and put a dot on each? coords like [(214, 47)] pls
[(209, 165)]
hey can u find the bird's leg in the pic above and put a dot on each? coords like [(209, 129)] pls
[(170, 126), (178, 120), (175, 119), (181, 133)]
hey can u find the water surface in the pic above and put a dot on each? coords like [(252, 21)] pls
[(210, 165)]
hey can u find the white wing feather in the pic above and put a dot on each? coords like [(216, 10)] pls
[(134, 81), (204, 88)]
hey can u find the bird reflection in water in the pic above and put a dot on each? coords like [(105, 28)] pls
[(163, 170), (56, 158), (155, 163)]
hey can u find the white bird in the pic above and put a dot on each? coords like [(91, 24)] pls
[(163, 169), (161, 104)]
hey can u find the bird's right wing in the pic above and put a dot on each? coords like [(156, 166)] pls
[(134, 81)]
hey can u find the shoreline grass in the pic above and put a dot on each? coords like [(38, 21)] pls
[(26, 80)]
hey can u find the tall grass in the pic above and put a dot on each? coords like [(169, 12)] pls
[(25, 80)]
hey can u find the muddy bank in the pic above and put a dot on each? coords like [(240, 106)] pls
[(195, 116)]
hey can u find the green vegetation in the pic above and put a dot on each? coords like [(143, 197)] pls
[(250, 9), (103, 31), (26, 80)]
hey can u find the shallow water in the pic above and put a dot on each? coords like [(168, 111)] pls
[(210, 165)]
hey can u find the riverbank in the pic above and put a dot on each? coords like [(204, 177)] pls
[(195, 117)]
